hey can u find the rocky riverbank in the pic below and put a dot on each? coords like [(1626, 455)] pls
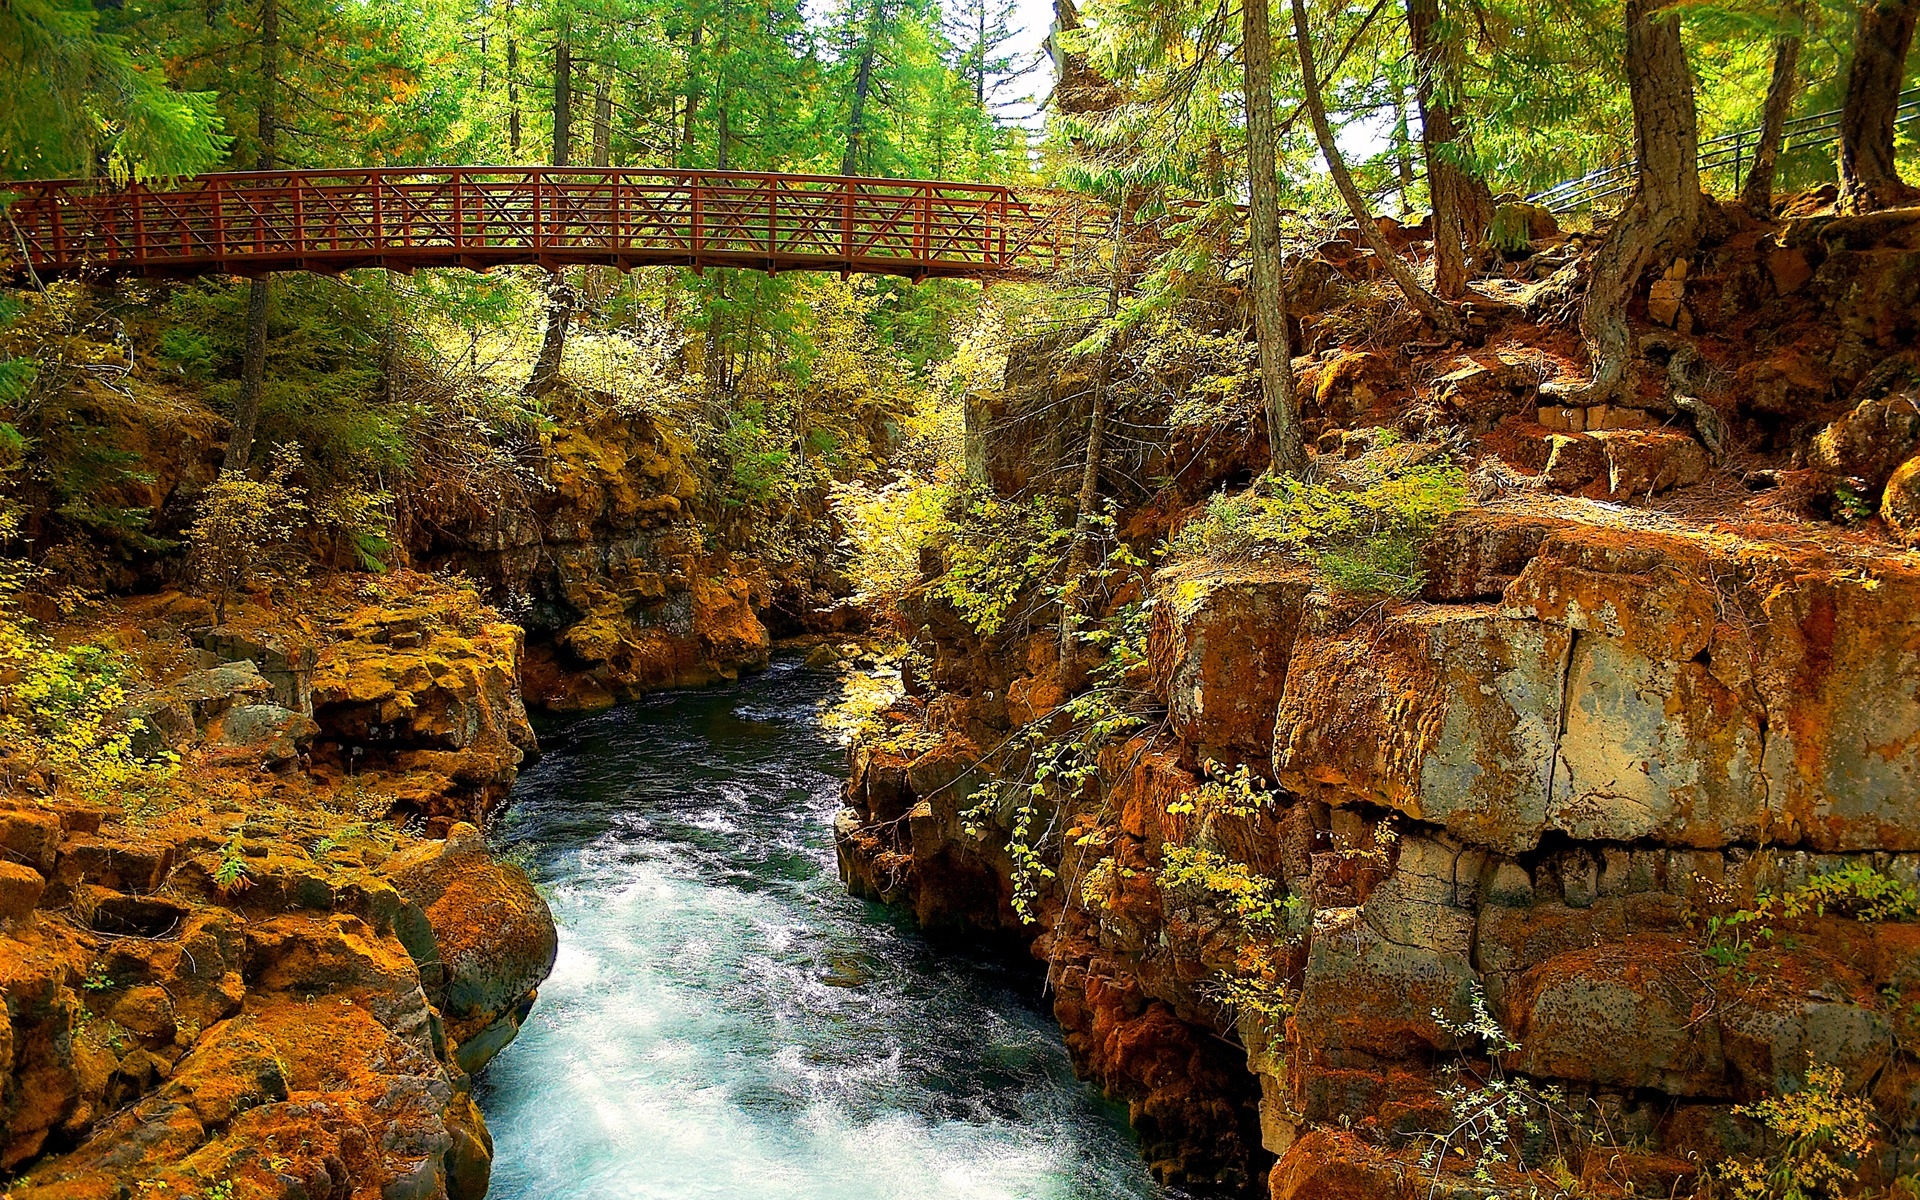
[(275, 971), (1572, 854)]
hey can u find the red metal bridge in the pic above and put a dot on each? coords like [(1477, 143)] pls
[(251, 223)]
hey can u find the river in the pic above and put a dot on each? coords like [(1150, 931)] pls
[(725, 1021)]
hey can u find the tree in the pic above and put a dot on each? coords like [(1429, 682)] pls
[(558, 294), (1454, 194), (253, 372), (1287, 455), (1757, 194), (1662, 219), (1423, 301), (1868, 176), (73, 96)]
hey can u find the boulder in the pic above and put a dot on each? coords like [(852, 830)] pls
[(20, 890), (1880, 433), (490, 938), (1362, 991), (30, 836), (213, 691), (1219, 647), (1900, 502), (1449, 715), (258, 734), (1642, 462), (1482, 392)]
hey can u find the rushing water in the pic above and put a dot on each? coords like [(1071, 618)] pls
[(724, 1021)]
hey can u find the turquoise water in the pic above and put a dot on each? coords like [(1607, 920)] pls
[(724, 1021)]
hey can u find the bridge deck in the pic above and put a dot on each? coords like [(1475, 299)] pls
[(251, 223)]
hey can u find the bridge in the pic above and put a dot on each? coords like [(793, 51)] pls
[(256, 222)]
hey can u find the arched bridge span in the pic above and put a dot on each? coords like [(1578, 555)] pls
[(252, 223)]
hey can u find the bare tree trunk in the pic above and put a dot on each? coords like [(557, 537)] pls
[(513, 88), (1449, 189), (559, 297), (1662, 220), (553, 338), (693, 94), (1075, 610), (1868, 177), (1284, 450), (857, 114), (1423, 301), (562, 95), (603, 114), (253, 363), (1402, 154), (1757, 195)]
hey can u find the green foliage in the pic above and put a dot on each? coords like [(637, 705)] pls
[(73, 95), (1853, 890), (756, 461), (1362, 540), (61, 708), (1819, 1132), (998, 551), (230, 874), (1236, 793), (1233, 887)]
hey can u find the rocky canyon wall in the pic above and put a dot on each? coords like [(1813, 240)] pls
[(1560, 825)]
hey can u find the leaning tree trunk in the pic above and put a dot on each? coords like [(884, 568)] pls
[(1868, 177), (253, 363), (1757, 195), (1662, 219), (1263, 226), (1423, 301), (1077, 606), (1450, 189), (562, 96)]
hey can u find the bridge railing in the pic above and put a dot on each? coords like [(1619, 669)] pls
[(254, 222), (1730, 152)]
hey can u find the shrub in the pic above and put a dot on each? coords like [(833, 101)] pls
[(1821, 1132), (244, 529), (998, 550), (1363, 540), (60, 707)]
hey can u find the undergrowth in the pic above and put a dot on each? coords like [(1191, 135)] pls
[(1364, 540)]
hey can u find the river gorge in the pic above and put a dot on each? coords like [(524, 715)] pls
[(724, 1020)]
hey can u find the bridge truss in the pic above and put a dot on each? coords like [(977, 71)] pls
[(253, 223)]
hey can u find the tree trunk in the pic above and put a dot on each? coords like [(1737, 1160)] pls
[(513, 91), (253, 363), (559, 297), (603, 114), (857, 114), (1263, 228), (693, 94), (1868, 177), (1402, 155), (1757, 195), (1450, 189), (553, 338), (1075, 610), (1423, 301), (1662, 219), (980, 59), (562, 96)]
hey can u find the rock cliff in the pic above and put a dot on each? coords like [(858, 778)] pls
[(1585, 827), (246, 979)]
